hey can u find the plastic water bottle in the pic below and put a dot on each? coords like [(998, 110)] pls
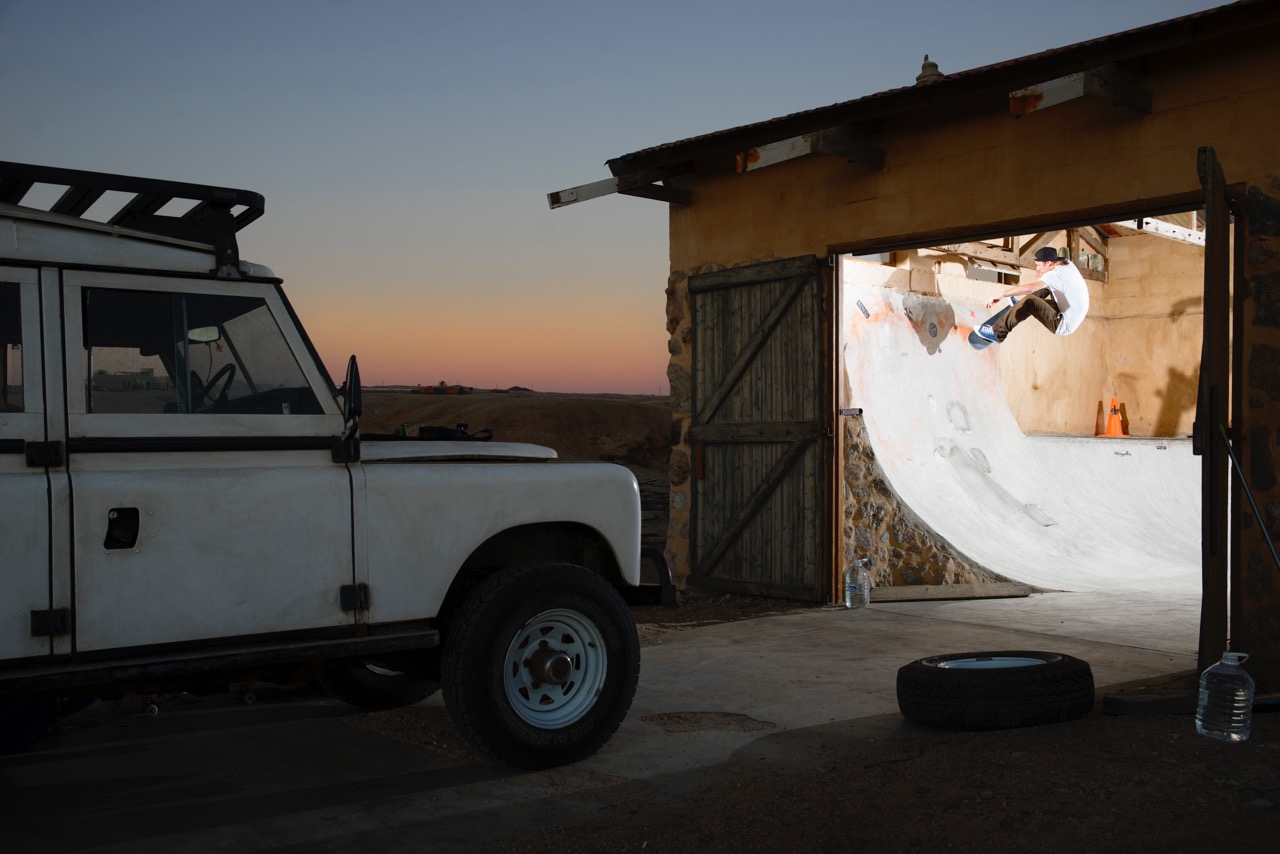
[(1225, 708), (857, 585)]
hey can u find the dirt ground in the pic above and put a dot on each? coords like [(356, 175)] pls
[(1100, 784), (1108, 782)]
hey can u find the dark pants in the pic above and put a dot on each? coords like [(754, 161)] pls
[(1039, 304)]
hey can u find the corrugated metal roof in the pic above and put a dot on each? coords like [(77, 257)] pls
[(1011, 74)]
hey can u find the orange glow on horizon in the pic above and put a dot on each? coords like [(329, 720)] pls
[(588, 353)]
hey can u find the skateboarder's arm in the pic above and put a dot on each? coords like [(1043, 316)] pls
[(1016, 291)]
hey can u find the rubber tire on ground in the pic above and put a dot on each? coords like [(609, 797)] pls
[(498, 614), (359, 685), (940, 691)]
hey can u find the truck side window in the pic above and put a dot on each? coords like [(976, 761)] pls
[(188, 353), (10, 348)]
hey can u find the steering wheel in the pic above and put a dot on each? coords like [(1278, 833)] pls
[(215, 400)]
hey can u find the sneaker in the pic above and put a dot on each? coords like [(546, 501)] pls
[(985, 331)]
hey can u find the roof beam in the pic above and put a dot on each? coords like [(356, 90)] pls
[(1102, 83), (644, 187), (835, 142)]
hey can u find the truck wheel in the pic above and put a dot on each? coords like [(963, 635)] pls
[(365, 685), (995, 690), (541, 664)]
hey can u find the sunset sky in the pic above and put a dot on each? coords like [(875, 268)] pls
[(405, 149)]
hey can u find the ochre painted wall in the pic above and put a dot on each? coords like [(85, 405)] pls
[(988, 167)]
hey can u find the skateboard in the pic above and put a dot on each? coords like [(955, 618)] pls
[(980, 343)]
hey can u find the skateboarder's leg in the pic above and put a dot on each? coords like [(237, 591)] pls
[(1039, 305)]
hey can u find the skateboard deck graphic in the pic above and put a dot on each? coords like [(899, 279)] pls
[(980, 343)]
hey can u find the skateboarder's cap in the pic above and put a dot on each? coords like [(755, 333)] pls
[(1047, 253)]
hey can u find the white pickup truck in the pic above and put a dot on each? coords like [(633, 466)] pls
[(186, 501)]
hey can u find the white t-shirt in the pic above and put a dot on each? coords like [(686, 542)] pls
[(1071, 293)]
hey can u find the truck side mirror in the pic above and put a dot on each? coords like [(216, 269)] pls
[(352, 406), (346, 448)]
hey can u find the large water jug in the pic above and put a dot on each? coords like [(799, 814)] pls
[(1225, 708)]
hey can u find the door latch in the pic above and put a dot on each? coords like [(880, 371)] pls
[(122, 528)]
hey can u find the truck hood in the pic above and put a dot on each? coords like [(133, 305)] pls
[(413, 451)]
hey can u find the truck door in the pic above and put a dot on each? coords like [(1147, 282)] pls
[(206, 500), (26, 461)]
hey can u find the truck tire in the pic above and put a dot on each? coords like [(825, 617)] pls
[(368, 686), (995, 690), (541, 664)]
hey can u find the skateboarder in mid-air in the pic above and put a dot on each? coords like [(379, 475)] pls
[(1058, 298)]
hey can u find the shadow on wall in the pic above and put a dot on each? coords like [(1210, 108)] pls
[(1176, 398), (932, 318)]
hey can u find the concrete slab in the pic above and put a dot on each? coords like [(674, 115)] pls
[(1063, 513)]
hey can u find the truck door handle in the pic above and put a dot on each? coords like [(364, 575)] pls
[(122, 528)]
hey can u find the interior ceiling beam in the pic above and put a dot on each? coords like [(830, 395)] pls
[(1027, 253), (1023, 260), (1160, 228), (1104, 83), (836, 142), (1095, 239), (982, 252)]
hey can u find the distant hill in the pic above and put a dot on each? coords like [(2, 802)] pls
[(631, 429)]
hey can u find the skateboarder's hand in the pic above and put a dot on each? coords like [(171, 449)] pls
[(991, 302)]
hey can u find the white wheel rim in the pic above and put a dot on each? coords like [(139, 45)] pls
[(579, 649), (990, 662)]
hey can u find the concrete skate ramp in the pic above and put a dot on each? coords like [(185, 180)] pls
[(1066, 513)]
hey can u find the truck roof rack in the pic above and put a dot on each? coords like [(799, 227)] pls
[(210, 220)]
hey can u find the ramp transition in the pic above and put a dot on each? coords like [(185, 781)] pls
[(1065, 513)]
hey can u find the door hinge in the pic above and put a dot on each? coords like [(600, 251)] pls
[(45, 455), (56, 621), (354, 597)]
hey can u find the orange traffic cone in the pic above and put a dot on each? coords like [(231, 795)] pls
[(1115, 426)]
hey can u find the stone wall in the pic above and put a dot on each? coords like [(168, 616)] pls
[(680, 377), (879, 527)]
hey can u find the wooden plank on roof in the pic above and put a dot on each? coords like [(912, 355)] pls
[(835, 142), (1102, 83), (624, 186)]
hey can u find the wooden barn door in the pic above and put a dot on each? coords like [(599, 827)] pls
[(760, 434)]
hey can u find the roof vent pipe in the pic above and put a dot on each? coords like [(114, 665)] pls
[(928, 72)]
